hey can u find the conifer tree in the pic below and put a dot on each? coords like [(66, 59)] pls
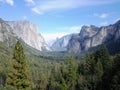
[(71, 75), (99, 73), (63, 84), (89, 64), (103, 55), (19, 75), (99, 68), (115, 83)]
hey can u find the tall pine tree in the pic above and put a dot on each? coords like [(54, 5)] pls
[(71, 74), (19, 75), (102, 54), (115, 83)]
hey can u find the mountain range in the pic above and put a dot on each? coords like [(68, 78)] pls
[(89, 38), (60, 44)]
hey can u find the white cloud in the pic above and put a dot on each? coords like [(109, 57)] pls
[(30, 2), (10, 2), (51, 5), (103, 15), (53, 36), (50, 38), (69, 30), (35, 10), (104, 23)]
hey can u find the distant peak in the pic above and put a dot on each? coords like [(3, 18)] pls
[(1, 20), (90, 26), (23, 21), (118, 22), (86, 28), (20, 21)]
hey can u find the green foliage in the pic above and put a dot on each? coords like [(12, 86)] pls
[(52, 71), (89, 73), (111, 77), (99, 69), (115, 83), (71, 74), (63, 78), (89, 64), (19, 75), (56, 80), (103, 55), (63, 84), (7, 87)]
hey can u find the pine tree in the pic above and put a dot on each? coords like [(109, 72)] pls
[(54, 80), (99, 69), (111, 77), (103, 55), (99, 73), (89, 64), (115, 83), (90, 72), (19, 75), (71, 75), (63, 84)]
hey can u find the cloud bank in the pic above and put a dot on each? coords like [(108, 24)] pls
[(30, 2), (10, 2), (54, 5)]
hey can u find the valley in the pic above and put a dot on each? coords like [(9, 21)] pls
[(82, 61)]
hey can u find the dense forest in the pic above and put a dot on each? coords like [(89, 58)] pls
[(96, 71)]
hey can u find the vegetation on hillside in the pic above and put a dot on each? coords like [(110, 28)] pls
[(96, 71)]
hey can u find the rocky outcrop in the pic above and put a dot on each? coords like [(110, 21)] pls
[(61, 43), (29, 33), (91, 36), (6, 33), (88, 38)]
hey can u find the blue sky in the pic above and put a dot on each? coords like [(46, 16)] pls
[(56, 18)]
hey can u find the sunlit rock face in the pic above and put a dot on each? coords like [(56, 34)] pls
[(61, 43), (6, 33), (92, 36), (29, 33)]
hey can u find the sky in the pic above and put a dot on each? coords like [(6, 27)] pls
[(56, 18)]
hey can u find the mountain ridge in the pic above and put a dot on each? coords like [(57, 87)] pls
[(92, 36), (24, 30), (29, 33), (61, 43)]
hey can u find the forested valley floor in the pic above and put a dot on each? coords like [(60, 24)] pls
[(95, 71)]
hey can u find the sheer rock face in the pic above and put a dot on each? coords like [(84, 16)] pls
[(61, 43), (6, 34), (91, 36), (88, 31), (29, 33)]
